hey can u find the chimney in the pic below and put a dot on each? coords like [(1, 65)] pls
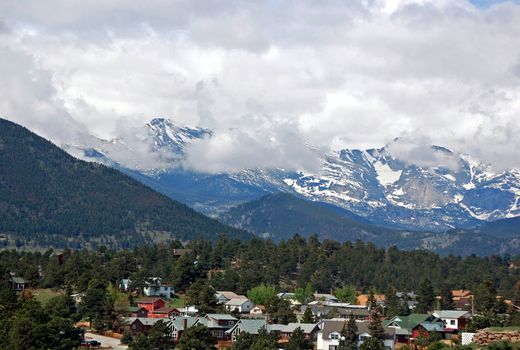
[(184, 323)]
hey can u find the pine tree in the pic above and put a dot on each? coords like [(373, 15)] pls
[(426, 297), (298, 342), (375, 327), (447, 298), (308, 316), (391, 303), (348, 336)]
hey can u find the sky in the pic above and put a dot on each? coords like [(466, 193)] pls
[(269, 77)]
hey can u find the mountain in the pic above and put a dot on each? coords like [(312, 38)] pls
[(51, 198), (443, 190), (282, 215)]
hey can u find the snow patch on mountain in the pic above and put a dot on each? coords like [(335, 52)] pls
[(385, 174)]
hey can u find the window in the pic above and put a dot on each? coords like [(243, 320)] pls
[(452, 322), (334, 336)]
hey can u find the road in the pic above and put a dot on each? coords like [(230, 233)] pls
[(106, 341)]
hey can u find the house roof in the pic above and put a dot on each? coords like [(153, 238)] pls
[(237, 301), (251, 326), (145, 321), (450, 314), (18, 280), (324, 296), (165, 310), (291, 327), (228, 294), (178, 322), (461, 293), (222, 317), (409, 322), (432, 327), (149, 300)]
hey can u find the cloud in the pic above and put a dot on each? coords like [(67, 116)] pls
[(267, 76)]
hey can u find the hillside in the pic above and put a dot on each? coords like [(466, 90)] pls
[(282, 215), (48, 196)]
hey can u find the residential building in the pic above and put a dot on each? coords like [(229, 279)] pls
[(218, 324), (180, 324), (241, 305), (329, 335), (141, 325), (251, 326), (454, 319), (463, 299), (420, 325), (155, 286), (325, 297), (225, 296), (18, 283), (362, 299), (154, 308), (257, 310)]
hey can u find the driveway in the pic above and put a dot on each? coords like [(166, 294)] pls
[(106, 341)]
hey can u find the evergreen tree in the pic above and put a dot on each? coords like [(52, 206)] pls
[(348, 337), (244, 341), (264, 341), (196, 337), (141, 342), (96, 305), (308, 316), (485, 297), (392, 307), (202, 295), (371, 301), (372, 343), (447, 302), (298, 341), (375, 327), (279, 311), (426, 297)]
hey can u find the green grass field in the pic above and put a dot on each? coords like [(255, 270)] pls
[(502, 329), (176, 302), (44, 295)]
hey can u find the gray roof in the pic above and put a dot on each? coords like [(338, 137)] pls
[(291, 327), (145, 321), (222, 317), (330, 326), (251, 326), (18, 280), (451, 314), (178, 322), (237, 301)]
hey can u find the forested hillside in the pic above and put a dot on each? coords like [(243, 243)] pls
[(48, 196), (282, 215)]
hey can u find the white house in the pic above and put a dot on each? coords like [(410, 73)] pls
[(330, 334), (453, 319), (241, 305), (223, 296), (155, 287)]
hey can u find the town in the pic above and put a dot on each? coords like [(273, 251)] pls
[(110, 295)]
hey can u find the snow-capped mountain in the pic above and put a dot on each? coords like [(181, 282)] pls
[(374, 183)]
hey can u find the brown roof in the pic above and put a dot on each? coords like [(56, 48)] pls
[(166, 310), (148, 300), (461, 293)]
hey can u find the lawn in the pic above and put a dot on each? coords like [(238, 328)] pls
[(44, 295), (177, 301)]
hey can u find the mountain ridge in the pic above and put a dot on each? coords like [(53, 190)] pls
[(45, 192), (374, 184)]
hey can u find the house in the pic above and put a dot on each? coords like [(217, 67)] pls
[(257, 310), (285, 332), (179, 324), (319, 311), (419, 325), (225, 296), (154, 308), (329, 335), (453, 319), (189, 311), (218, 324), (141, 325), (18, 283), (290, 297), (463, 299), (251, 326), (241, 305), (154, 286), (124, 284), (325, 297), (362, 299)]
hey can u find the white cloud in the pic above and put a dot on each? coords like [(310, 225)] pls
[(267, 75)]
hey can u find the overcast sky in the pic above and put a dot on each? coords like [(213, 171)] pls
[(269, 76)]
